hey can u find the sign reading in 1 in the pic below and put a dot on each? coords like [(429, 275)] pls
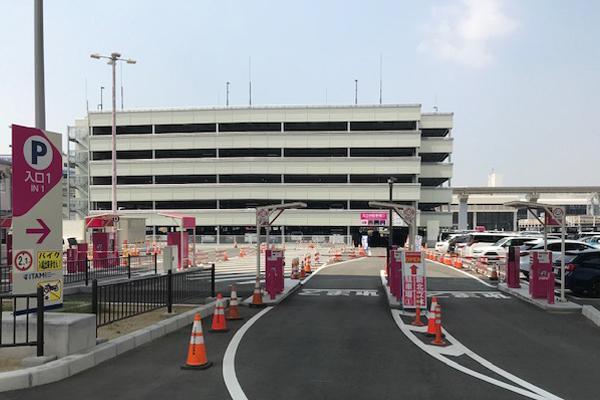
[(37, 215)]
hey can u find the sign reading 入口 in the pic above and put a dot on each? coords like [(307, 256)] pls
[(414, 292), (37, 215), (373, 219)]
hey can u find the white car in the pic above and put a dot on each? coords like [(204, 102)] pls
[(554, 246), (500, 248), (480, 240), (442, 246)]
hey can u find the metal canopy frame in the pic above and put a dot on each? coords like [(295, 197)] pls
[(408, 214), (181, 222), (265, 213), (556, 213)]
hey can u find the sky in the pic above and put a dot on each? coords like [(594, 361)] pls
[(521, 77)]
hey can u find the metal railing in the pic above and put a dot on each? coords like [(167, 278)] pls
[(118, 301), (128, 266), (5, 279), (20, 338)]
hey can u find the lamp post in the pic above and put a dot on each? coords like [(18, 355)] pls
[(101, 98), (390, 182), (2, 179), (112, 61), (227, 101)]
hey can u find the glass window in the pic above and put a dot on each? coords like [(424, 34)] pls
[(315, 126), (186, 153)]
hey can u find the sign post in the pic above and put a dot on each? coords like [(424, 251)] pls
[(37, 215), (414, 292)]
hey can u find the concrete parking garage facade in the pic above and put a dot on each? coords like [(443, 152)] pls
[(217, 164)]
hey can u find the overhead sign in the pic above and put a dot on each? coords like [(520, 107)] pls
[(373, 219), (37, 214), (414, 292), (554, 216), (262, 217)]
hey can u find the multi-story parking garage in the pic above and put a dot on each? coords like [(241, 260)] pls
[(218, 163)]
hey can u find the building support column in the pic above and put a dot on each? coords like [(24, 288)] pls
[(515, 221), (463, 211), (532, 198)]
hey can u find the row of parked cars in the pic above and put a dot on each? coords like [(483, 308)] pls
[(582, 256)]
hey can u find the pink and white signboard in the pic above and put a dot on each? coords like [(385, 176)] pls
[(374, 219), (37, 214), (414, 291)]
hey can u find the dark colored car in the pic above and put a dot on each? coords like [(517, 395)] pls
[(453, 242), (582, 272)]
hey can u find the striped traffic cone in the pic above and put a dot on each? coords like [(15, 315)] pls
[(257, 298), (302, 271), (197, 352), (219, 324), (234, 309), (438, 325), (295, 270), (431, 329)]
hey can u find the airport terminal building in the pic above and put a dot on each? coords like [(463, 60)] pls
[(217, 164)]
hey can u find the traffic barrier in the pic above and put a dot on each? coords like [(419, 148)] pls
[(307, 265), (241, 253), (302, 271), (234, 310), (338, 256), (257, 298), (361, 251), (352, 253), (431, 329), (295, 274), (197, 351), (219, 325), (201, 257), (438, 325), (317, 260)]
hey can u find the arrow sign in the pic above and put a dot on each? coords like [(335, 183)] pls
[(44, 231), (414, 269)]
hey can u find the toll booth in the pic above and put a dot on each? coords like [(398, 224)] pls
[(274, 278), (395, 273), (513, 267), (181, 239), (101, 229), (540, 268)]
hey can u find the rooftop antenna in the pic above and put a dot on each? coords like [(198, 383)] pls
[(380, 78), (355, 91), (121, 85), (435, 107), (250, 80), (87, 102), (227, 101)]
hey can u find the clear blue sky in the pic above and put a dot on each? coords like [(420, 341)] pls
[(522, 77)]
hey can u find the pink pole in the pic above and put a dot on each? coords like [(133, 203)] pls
[(551, 288)]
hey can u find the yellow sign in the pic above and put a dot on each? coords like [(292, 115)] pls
[(52, 289), (49, 260)]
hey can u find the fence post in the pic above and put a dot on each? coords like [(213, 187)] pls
[(169, 291), (128, 266), (155, 263), (212, 281), (87, 267), (40, 321)]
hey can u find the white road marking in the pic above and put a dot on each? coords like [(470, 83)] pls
[(463, 272), (231, 381), (339, 292)]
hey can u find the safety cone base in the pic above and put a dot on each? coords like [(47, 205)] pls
[(234, 318), (440, 343), (417, 323), (433, 334), (261, 305), (197, 367), (219, 330)]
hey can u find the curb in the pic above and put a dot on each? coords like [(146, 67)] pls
[(591, 313), (75, 363), (567, 307)]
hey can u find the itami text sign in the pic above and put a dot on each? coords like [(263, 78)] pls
[(37, 214), (414, 293), (378, 219)]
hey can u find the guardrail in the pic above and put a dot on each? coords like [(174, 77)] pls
[(118, 301), (88, 270), (20, 338)]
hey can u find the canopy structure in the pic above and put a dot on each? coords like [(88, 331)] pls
[(408, 214), (553, 216), (6, 222), (101, 220), (184, 222)]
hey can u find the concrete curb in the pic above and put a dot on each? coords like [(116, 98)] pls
[(290, 287), (523, 294), (73, 364), (591, 313)]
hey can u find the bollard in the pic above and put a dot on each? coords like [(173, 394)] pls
[(551, 288), (417, 321)]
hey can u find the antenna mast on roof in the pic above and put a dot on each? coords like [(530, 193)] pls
[(380, 78), (250, 80)]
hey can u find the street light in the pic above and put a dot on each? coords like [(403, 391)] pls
[(390, 182), (112, 61)]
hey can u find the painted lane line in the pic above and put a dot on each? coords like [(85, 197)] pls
[(464, 272), (231, 381)]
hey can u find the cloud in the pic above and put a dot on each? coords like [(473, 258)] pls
[(463, 32)]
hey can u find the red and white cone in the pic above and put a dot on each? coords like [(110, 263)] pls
[(219, 324), (234, 309), (257, 297)]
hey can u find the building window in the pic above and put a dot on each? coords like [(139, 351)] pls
[(236, 153), (315, 178), (380, 178), (441, 132), (250, 178), (134, 180), (237, 204), (382, 152), (122, 130), (250, 127), (432, 182), (433, 157), (315, 126), (383, 126), (185, 128), (183, 179), (186, 153), (323, 204), (186, 204), (325, 152), (123, 155)]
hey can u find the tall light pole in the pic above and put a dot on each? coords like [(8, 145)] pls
[(227, 101), (40, 92), (355, 91), (390, 182), (112, 61)]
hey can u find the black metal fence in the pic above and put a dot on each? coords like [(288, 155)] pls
[(118, 301), (17, 335), (88, 270), (5, 279)]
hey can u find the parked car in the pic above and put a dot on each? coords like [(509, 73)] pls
[(554, 246), (593, 240), (456, 244), (483, 239), (582, 272), (443, 245), (500, 248)]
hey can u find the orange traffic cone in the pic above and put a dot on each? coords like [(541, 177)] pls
[(197, 352), (431, 329), (219, 324), (438, 325), (225, 258), (234, 309), (241, 253), (302, 271), (235, 244), (307, 267), (257, 298), (283, 247)]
